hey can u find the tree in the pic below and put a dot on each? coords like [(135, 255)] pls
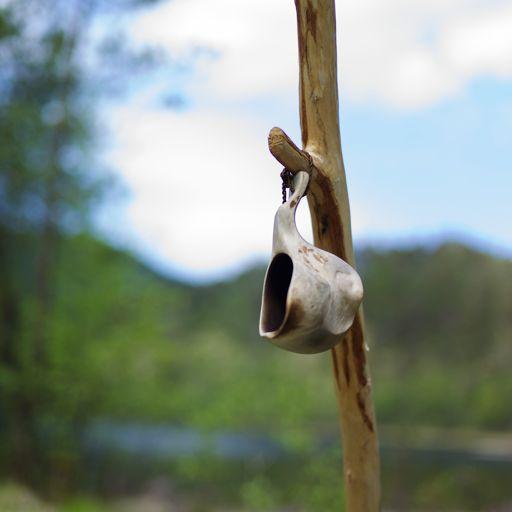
[(48, 183)]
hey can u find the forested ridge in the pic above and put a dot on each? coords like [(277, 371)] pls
[(125, 341)]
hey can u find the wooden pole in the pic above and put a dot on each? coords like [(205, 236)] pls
[(330, 216)]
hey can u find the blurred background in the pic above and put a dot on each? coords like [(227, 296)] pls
[(137, 197)]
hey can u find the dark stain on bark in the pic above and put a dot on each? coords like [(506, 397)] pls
[(324, 224), (366, 417), (336, 369), (303, 114), (346, 368), (330, 232), (311, 19), (303, 58), (358, 349)]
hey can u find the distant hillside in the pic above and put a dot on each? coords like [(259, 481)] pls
[(451, 304), (128, 343), (440, 330)]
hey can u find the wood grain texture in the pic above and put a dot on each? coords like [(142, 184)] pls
[(287, 153), (330, 215)]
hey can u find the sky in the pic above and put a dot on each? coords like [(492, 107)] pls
[(426, 127)]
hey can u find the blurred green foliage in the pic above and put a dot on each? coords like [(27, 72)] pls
[(49, 184)]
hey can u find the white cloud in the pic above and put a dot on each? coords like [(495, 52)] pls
[(205, 188), (480, 43), (254, 42), (396, 52), (202, 185)]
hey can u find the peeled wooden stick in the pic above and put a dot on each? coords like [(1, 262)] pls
[(287, 153), (330, 216)]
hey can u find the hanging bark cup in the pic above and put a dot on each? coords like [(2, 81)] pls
[(310, 296)]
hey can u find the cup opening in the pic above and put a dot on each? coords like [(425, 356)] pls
[(278, 281)]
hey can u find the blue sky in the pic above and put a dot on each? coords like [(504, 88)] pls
[(426, 121), (442, 169)]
